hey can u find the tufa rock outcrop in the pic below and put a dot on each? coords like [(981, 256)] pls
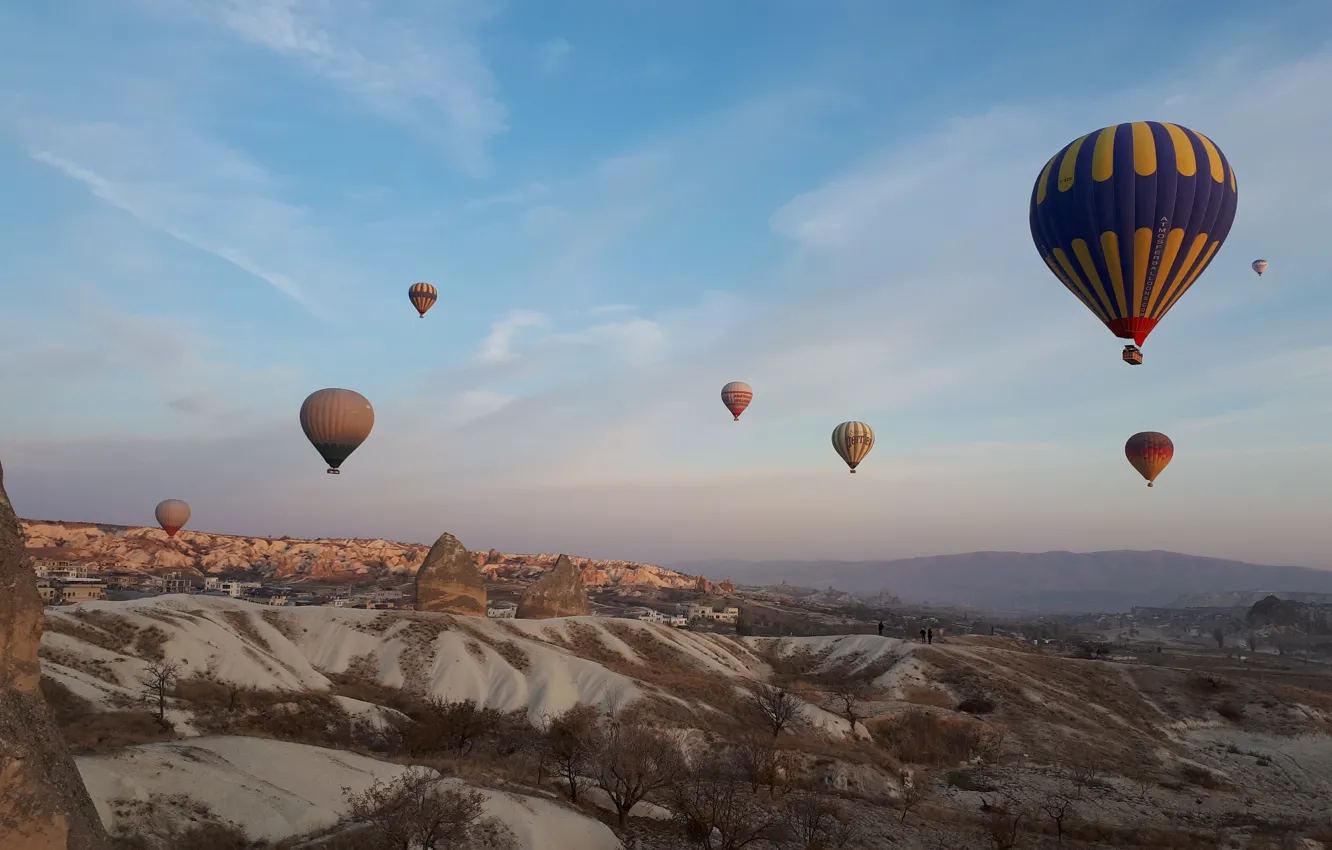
[(449, 582), (559, 593), (43, 803)]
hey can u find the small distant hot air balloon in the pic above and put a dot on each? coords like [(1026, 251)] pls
[(336, 422), (736, 396), (1129, 216), (853, 440), (1260, 266), (1149, 452), (172, 514), (423, 297)]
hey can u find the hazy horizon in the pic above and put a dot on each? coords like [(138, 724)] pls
[(213, 212)]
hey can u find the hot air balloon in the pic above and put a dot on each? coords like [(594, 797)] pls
[(337, 422), (423, 297), (1260, 266), (1129, 216), (172, 514), (1149, 452), (736, 396), (853, 440)]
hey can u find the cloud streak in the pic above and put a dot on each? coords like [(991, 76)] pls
[(425, 70)]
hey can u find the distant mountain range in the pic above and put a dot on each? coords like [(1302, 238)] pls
[(1039, 582)]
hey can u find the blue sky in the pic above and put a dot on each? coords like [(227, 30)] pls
[(211, 209)]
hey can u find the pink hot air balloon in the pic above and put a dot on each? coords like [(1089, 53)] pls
[(736, 396)]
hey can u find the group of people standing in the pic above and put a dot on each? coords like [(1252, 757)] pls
[(926, 635)]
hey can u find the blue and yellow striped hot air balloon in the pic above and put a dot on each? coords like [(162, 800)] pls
[(1129, 216)]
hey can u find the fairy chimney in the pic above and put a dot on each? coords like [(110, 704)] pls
[(559, 593), (43, 803), (449, 582)]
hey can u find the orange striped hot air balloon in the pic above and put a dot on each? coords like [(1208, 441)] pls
[(172, 514), (1149, 452), (423, 296), (736, 396), (336, 422)]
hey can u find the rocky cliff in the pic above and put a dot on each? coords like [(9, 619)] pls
[(43, 803), (142, 548)]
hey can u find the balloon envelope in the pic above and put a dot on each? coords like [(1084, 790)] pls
[(852, 441), (736, 396), (1129, 216), (423, 297), (1149, 452), (1260, 266), (336, 422), (172, 514)]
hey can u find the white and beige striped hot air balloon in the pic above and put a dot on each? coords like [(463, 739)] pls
[(853, 440), (1260, 266), (172, 514), (736, 396)]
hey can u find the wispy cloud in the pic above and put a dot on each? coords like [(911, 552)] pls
[(198, 191), (497, 346), (425, 69), (553, 56)]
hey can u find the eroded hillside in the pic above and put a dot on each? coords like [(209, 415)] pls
[(947, 740)]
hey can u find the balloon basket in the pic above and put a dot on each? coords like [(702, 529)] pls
[(1132, 355), (334, 472)]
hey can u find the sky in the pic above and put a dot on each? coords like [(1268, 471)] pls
[(211, 208)]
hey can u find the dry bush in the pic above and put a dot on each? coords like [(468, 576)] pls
[(284, 627), (300, 716), (175, 822), (1208, 684), (150, 643), (98, 668), (919, 736), (925, 695), (572, 742), (511, 652), (414, 811), (1200, 776), (419, 635), (477, 651), (790, 665), (240, 622), (976, 705), (88, 730), (635, 760), (717, 811), (1232, 710), (774, 709)]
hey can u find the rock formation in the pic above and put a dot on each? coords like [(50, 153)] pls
[(449, 582), (140, 548), (43, 804), (559, 593)]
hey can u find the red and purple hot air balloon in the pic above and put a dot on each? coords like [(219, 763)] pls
[(1149, 452)]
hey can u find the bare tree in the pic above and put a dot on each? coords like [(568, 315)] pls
[(916, 788), (635, 760), (775, 708), (1003, 823), (1083, 771), (813, 822), (1144, 782), (845, 692), (1219, 635), (1252, 641), (413, 812), (1058, 807), (754, 757), (571, 745), (157, 684), (717, 811)]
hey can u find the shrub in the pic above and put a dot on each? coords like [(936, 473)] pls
[(976, 705), (924, 737)]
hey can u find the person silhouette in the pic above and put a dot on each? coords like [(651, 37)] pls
[(929, 636), (881, 628), (922, 635)]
